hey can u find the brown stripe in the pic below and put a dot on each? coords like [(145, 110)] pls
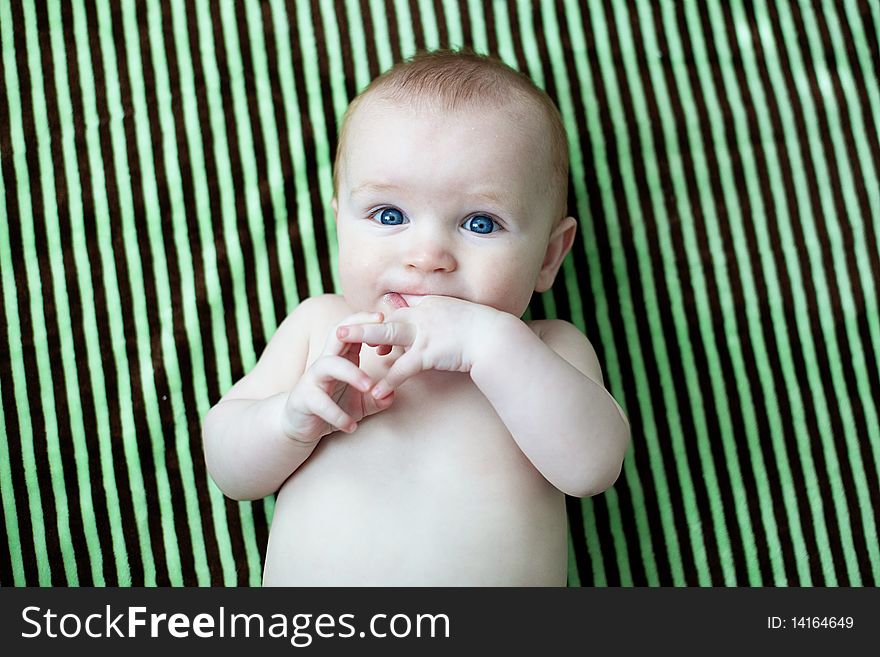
[(442, 29), (840, 321), (603, 249), (607, 279), (248, 249), (417, 22), (206, 343), (287, 170), (750, 361), (214, 203), (393, 31), (30, 332), (345, 46), (712, 287), (367, 18), (491, 33), (102, 310), (270, 245), (144, 444), (10, 409)]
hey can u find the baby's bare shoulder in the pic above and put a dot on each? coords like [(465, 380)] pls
[(568, 341), (288, 351)]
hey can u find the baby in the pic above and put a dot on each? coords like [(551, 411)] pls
[(417, 431)]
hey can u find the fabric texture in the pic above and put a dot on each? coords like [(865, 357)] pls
[(165, 178)]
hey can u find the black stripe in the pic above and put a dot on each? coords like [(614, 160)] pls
[(369, 43), (102, 310), (345, 46), (144, 443), (29, 337), (490, 20), (830, 517), (417, 22), (206, 343), (681, 522), (847, 358), (467, 34), (750, 362), (869, 28), (588, 315), (248, 249), (10, 408), (318, 201), (712, 287), (603, 247), (393, 32), (442, 28), (287, 171), (270, 245), (86, 397)]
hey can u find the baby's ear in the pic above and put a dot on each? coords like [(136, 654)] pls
[(558, 247), (335, 205)]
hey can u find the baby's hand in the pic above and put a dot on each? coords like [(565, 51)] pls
[(440, 333), (333, 393)]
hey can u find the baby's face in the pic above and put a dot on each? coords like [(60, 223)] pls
[(456, 204)]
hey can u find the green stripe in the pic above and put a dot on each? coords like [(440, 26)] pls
[(833, 112), (295, 144), (594, 548), (250, 180), (706, 328), (45, 366), (105, 244), (404, 29), (358, 45), (613, 364), (59, 293), (755, 335), (225, 185), (832, 466), (429, 25), (381, 38), (814, 488), (153, 233), (564, 93), (324, 159), (480, 41), (274, 173), (453, 23), (7, 498)]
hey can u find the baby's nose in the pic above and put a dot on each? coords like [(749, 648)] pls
[(430, 255)]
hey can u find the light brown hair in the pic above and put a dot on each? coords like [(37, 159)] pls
[(451, 80)]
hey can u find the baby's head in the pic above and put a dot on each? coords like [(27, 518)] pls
[(451, 178)]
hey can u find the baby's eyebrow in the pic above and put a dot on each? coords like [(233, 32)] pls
[(371, 187)]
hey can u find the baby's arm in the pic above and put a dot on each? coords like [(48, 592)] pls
[(269, 423), (545, 384)]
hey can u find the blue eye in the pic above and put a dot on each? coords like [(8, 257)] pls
[(480, 224), (391, 217)]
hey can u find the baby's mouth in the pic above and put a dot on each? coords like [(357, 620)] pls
[(402, 300)]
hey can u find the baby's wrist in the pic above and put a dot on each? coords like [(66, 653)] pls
[(490, 336)]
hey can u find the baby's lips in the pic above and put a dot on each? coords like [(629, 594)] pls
[(395, 301)]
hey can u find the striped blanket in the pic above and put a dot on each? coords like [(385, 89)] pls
[(165, 176)]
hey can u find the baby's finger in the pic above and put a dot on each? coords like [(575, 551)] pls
[(328, 369), (404, 367), (387, 333), (334, 346), (325, 408)]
